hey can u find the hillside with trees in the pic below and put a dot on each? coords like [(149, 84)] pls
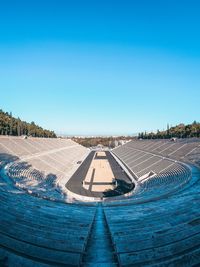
[(178, 131), (15, 126)]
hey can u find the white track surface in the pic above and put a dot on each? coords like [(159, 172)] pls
[(100, 171)]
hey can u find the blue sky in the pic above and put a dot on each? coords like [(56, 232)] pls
[(100, 67)]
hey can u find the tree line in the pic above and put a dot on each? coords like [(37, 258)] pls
[(104, 141), (178, 131), (16, 127)]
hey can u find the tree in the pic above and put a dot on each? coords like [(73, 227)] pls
[(11, 123), (15, 126), (18, 127), (180, 131)]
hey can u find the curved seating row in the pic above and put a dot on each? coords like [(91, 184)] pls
[(159, 225), (183, 149), (36, 231), (39, 165), (165, 232)]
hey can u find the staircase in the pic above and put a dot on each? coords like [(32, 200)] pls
[(99, 249)]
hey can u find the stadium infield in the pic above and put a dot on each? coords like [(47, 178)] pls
[(99, 176)]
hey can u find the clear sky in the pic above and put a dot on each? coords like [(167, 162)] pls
[(100, 66)]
